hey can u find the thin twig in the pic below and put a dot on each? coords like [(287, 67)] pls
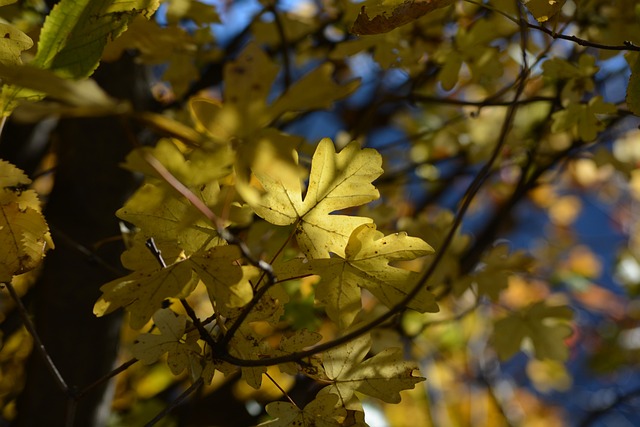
[(627, 45), (212, 217), (177, 401), (24, 314), (106, 378), (284, 393), (204, 334), (286, 60)]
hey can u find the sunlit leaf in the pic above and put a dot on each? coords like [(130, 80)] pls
[(367, 265), (320, 412), (226, 281), (24, 233), (142, 293), (337, 181), (148, 348), (12, 44), (382, 376), (159, 214)]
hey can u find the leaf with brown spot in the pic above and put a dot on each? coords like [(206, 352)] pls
[(395, 16)]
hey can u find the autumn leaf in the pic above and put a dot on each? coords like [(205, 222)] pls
[(73, 38), (366, 265), (493, 276), (542, 324), (633, 90), (247, 344), (311, 92), (141, 293), (543, 10), (320, 412), (24, 233), (579, 77), (194, 168), (148, 348), (382, 376), (228, 283), (298, 341), (248, 85), (13, 44), (393, 14), (337, 181), (158, 213), (582, 118)]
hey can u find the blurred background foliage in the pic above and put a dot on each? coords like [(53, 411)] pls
[(557, 220)]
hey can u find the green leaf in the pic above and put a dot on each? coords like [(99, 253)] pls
[(148, 348), (75, 32), (337, 181), (74, 36), (382, 376), (84, 94), (199, 12), (142, 293), (542, 324)]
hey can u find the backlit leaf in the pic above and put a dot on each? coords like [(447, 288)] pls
[(320, 412), (73, 38), (24, 233), (142, 293), (310, 92), (227, 282), (157, 213), (366, 265), (148, 348), (12, 43), (382, 376), (337, 181)]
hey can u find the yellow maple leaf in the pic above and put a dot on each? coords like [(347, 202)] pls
[(337, 181), (143, 292), (227, 283), (24, 233), (543, 324), (382, 376), (365, 265), (148, 348), (321, 412)]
